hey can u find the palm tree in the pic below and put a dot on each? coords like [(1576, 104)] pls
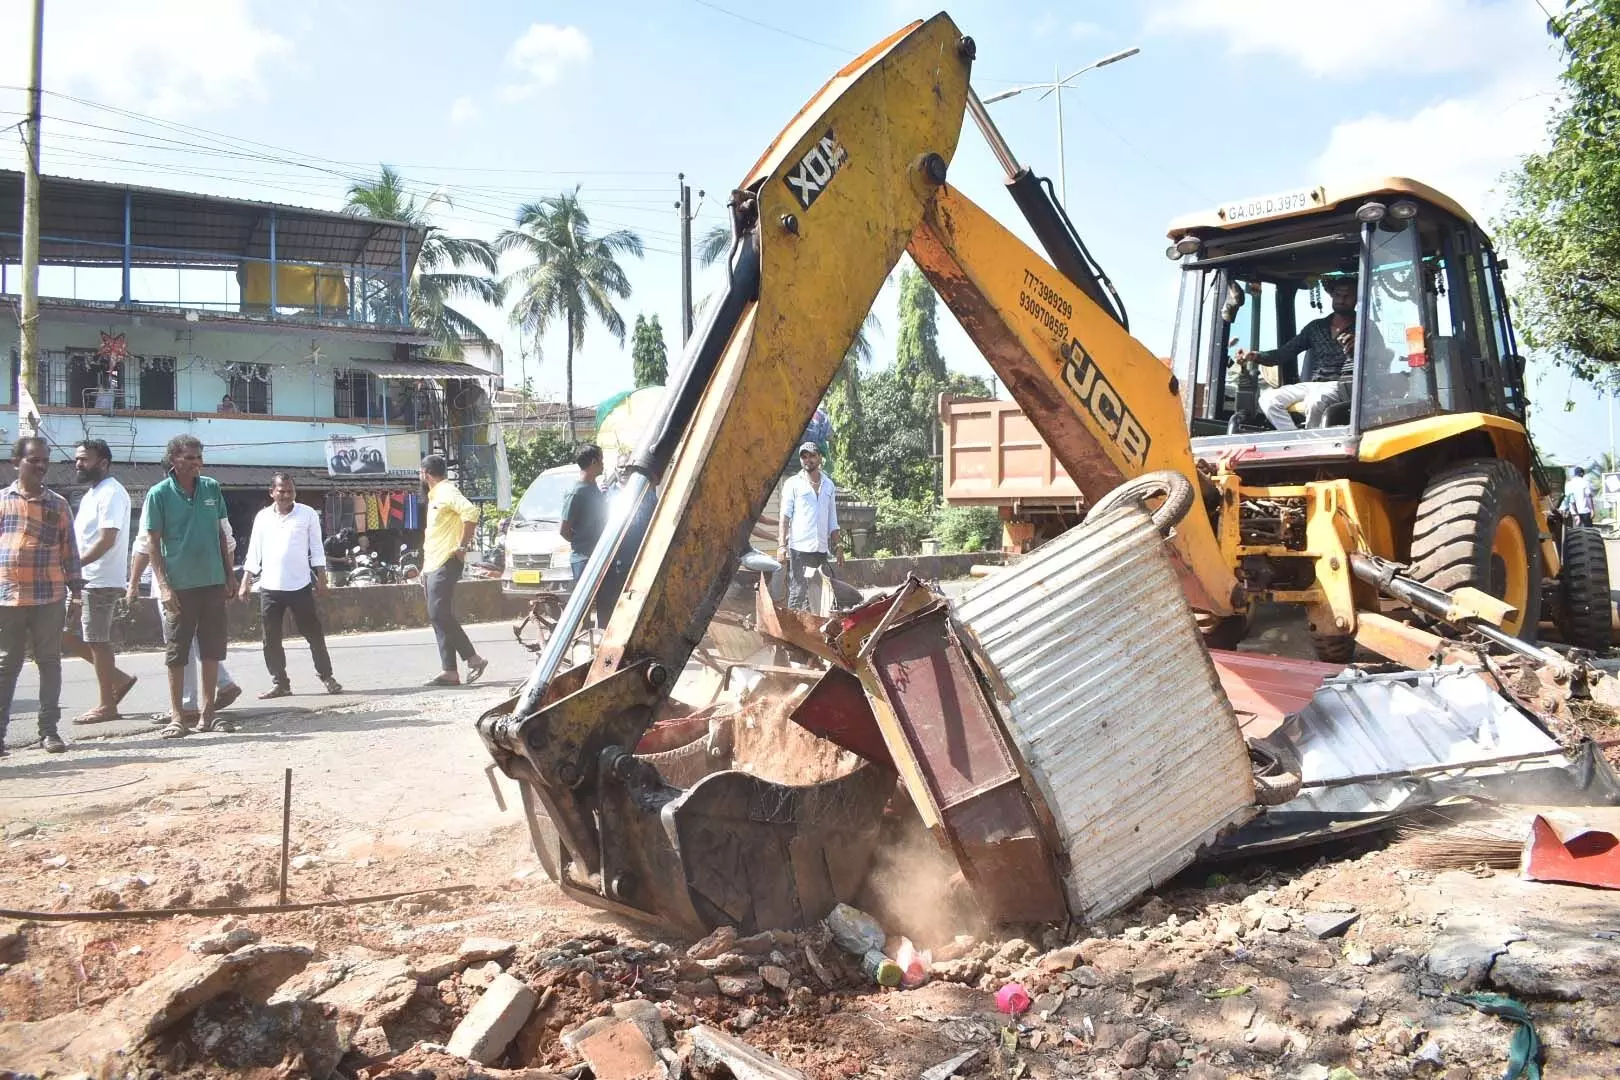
[(571, 274), (437, 279)]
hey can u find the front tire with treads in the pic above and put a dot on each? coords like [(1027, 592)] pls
[(1583, 614), (1476, 527)]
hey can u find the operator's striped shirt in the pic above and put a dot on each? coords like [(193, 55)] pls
[(39, 557)]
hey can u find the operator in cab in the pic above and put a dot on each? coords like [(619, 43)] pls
[(1329, 345)]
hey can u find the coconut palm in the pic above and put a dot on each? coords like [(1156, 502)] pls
[(570, 274), (438, 277)]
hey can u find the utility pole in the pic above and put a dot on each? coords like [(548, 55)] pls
[(685, 208), (27, 411)]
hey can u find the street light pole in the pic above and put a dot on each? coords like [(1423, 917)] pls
[(1056, 87)]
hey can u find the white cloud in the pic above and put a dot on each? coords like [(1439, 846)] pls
[(1461, 144), (542, 55), (1420, 37), (1082, 30), (463, 110), (165, 57)]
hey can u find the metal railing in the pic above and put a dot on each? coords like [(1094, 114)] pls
[(211, 281)]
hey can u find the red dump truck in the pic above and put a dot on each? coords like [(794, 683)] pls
[(993, 456)]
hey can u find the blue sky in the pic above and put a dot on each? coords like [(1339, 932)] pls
[(498, 102)]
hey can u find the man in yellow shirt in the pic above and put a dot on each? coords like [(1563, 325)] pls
[(451, 522)]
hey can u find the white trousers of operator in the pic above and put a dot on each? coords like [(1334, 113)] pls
[(1316, 396)]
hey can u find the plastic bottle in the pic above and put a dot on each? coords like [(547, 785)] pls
[(854, 930), (880, 969)]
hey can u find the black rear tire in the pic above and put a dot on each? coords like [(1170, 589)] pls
[(1334, 648), (1466, 516), (1583, 614)]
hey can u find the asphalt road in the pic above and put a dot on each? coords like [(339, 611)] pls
[(367, 665)]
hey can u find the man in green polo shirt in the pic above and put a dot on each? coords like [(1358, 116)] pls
[(191, 564)]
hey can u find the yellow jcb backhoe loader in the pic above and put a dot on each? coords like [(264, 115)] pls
[(1429, 466)]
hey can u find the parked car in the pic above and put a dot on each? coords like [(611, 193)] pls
[(536, 555)]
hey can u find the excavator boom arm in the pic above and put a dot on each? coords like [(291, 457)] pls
[(857, 178)]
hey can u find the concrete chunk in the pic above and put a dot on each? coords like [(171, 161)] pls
[(477, 950), (715, 1050), (492, 1023), (621, 1052)]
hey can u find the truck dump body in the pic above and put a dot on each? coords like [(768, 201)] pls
[(993, 456)]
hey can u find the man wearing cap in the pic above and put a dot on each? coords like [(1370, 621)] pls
[(809, 528)]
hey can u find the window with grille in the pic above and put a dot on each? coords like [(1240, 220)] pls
[(151, 385), (249, 388), (357, 393)]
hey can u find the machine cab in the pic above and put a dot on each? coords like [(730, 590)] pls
[(1429, 334)]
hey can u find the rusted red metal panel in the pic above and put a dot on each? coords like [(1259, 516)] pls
[(1579, 857), (1268, 688), (970, 770), (836, 709)]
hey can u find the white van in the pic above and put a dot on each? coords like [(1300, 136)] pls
[(536, 553)]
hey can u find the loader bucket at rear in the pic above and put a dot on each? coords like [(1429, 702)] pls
[(730, 848)]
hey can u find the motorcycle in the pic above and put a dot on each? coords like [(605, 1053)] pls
[(370, 568)]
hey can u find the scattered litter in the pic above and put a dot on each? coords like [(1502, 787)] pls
[(854, 930), (1226, 992), (1524, 1052), (914, 964), (1013, 999), (304, 862)]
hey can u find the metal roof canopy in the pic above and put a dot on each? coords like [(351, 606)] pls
[(186, 228), (421, 369)]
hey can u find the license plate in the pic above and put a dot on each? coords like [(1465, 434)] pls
[(559, 575), (525, 577), (1274, 205)]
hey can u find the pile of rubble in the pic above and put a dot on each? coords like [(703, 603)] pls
[(1359, 967)]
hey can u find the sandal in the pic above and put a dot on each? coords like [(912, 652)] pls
[(175, 730), (217, 723), (97, 715), (475, 668), (444, 679), (123, 691), (277, 691)]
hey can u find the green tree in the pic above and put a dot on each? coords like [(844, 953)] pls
[(526, 460), (570, 274), (438, 278), (916, 353), (1563, 212), (649, 357)]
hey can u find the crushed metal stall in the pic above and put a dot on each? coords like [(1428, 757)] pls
[(1114, 705)]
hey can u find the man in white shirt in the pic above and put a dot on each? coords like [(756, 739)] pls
[(809, 524), (101, 527), (1577, 497), (287, 557)]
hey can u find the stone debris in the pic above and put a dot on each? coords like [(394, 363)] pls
[(716, 1052), (493, 1022), (1330, 924), (225, 941), (478, 950), (620, 1051)]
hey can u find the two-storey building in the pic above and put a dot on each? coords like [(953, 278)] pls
[(279, 336)]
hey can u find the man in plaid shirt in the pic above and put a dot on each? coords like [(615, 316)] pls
[(39, 565)]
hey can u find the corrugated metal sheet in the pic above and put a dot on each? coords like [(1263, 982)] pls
[(1115, 707), (1398, 728)]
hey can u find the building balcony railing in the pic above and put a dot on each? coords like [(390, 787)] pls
[(124, 277)]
